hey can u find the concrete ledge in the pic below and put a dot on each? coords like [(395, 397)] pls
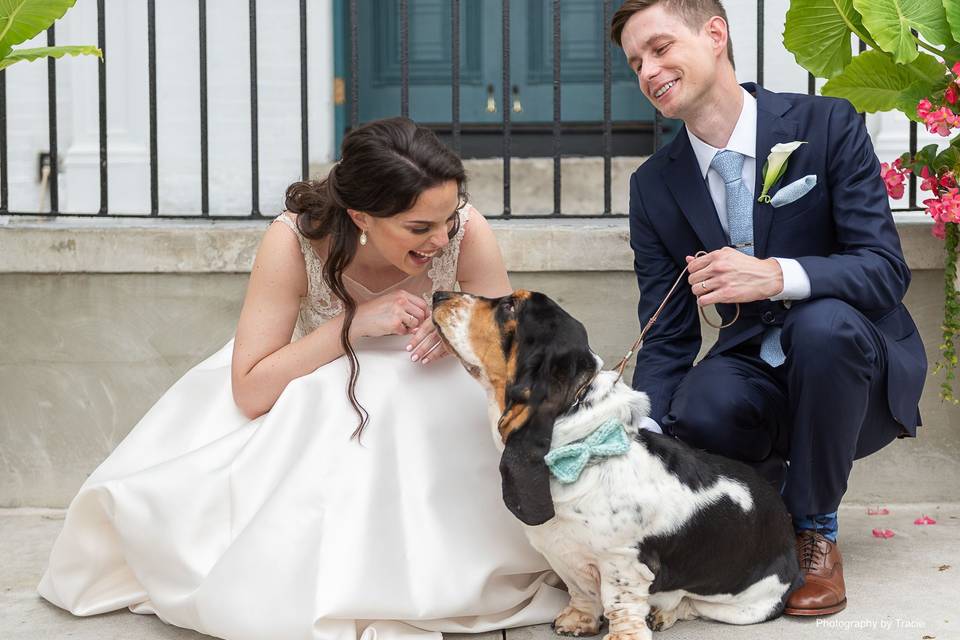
[(97, 245)]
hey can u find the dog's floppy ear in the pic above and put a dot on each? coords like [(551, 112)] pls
[(513, 418), (554, 362), (525, 476)]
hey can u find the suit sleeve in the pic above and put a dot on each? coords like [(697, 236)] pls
[(674, 341), (867, 269)]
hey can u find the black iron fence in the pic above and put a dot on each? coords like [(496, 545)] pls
[(353, 109)]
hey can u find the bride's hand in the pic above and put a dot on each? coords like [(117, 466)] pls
[(425, 345), (395, 313)]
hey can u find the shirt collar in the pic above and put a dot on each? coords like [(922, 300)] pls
[(742, 140)]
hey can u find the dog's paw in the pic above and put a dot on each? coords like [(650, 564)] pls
[(659, 620), (573, 622), (642, 634), (653, 621)]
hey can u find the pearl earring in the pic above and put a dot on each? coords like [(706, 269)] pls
[(363, 238)]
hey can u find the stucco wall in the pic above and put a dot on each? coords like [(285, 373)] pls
[(83, 356)]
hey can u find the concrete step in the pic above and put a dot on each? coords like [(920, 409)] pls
[(531, 184), (903, 587)]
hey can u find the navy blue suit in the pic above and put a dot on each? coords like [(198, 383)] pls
[(855, 363)]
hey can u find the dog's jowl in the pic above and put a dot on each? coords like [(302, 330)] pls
[(643, 529)]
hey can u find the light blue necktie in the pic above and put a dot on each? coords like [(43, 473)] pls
[(729, 164)]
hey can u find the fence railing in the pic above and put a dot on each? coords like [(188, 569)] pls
[(353, 109)]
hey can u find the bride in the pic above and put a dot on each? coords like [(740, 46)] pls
[(327, 474)]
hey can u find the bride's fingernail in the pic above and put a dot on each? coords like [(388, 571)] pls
[(414, 357), (426, 360), (409, 346)]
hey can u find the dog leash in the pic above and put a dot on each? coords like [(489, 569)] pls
[(656, 314), (646, 328)]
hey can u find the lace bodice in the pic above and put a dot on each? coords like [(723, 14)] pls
[(320, 304)]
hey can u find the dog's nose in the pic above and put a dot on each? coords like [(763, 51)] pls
[(440, 296)]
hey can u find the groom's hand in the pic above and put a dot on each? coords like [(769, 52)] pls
[(728, 275)]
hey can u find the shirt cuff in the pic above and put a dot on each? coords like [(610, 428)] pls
[(650, 425), (796, 282)]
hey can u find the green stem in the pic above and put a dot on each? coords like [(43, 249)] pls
[(850, 25), (866, 38), (928, 47), (951, 313)]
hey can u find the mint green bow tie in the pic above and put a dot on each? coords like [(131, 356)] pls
[(567, 462)]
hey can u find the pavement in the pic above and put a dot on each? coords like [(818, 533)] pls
[(902, 587)]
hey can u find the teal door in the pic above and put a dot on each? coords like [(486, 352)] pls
[(583, 36)]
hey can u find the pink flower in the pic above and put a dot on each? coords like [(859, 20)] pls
[(928, 181), (951, 93), (941, 121), (892, 179), (947, 180), (934, 207), (956, 68), (923, 108), (951, 206), (946, 208), (940, 230)]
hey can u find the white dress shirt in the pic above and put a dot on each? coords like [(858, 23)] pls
[(743, 140)]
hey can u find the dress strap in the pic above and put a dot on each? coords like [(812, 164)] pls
[(316, 285), (305, 245)]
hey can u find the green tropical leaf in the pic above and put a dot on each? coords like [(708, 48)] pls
[(874, 82), (21, 20), (26, 55), (817, 33), (890, 22), (949, 158), (952, 8), (922, 89), (951, 54), (924, 158)]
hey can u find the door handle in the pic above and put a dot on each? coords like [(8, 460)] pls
[(517, 106), (491, 101)]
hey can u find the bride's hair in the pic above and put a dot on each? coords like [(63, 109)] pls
[(384, 167)]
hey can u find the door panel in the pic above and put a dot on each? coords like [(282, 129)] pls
[(430, 61), (583, 37)]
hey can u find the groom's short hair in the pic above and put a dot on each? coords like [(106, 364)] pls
[(693, 13)]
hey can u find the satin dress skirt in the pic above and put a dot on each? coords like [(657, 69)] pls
[(286, 527)]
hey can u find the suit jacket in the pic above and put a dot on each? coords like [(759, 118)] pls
[(841, 232)]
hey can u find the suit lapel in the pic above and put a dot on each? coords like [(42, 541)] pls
[(771, 129), (682, 176)]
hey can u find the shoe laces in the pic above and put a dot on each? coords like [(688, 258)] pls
[(810, 551)]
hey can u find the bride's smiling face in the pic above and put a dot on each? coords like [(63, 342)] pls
[(410, 240)]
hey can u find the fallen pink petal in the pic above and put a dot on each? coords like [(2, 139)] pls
[(879, 511), (925, 520), (883, 533)]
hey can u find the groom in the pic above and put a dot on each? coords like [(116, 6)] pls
[(823, 364)]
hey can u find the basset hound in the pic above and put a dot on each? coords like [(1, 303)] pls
[(643, 529)]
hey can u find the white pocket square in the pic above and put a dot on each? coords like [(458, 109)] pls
[(793, 191)]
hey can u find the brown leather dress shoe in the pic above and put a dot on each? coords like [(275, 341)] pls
[(823, 591)]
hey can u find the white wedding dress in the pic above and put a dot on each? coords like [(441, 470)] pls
[(286, 528)]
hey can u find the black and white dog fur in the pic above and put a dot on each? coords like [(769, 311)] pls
[(660, 534)]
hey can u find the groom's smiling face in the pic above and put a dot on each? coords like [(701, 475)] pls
[(675, 64)]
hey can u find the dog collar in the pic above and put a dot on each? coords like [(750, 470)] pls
[(566, 463)]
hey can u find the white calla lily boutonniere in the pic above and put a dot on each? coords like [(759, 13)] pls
[(776, 165)]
